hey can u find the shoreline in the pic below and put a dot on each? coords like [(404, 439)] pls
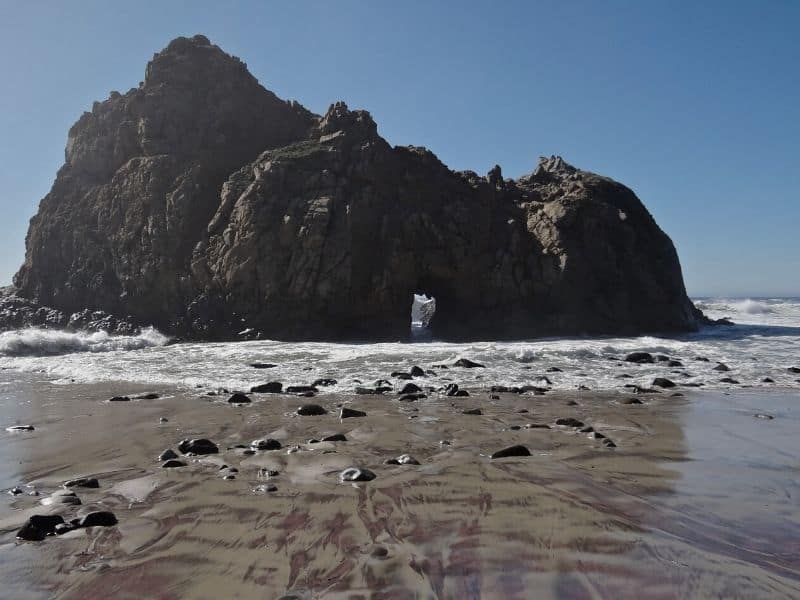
[(660, 511)]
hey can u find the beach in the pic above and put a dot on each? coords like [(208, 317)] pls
[(696, 499)]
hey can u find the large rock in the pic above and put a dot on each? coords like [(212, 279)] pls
[(202, 203), (142, 178)]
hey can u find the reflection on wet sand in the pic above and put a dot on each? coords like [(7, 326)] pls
[(665, 514)]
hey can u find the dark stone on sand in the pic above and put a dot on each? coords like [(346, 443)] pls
[(553, 370), (173, 464), (99, 518), (347, 413), (608, 443), (198, 446), (468, 364), (494, 397), (167, 454), (311, 410), (721, 367), (701, 359), (266, 444), (299, 389), (674, 363), (239, 398), (31, 534), (336, 437), (639, 357), (730, 380), (517, 450), (586, 429), (676, 395), (403, 459), (325, 382), (401, 375), (630, 401), (356, 474), (793, 369), (417, 371), (624, 376), (460, 394), (636, 389), (410, 388), (571, 403), (569, 422), (16, 428), (663, 382), (596, 435), (119, 399), (39, 526), (150, 396), (537, 426), (411, 397), (451, 389), (538, 391), (273, 387), (260, 365), (768, 380), (84, 482), (504, 389), (365, 391), (472, 411), (305, 394)]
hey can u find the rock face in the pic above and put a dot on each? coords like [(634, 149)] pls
[(203, 204)]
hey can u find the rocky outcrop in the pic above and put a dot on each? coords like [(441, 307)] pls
[(141, 179), (202, 203)]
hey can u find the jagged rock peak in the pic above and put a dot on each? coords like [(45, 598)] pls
[(358, 123), (553, 164), (188, 61)]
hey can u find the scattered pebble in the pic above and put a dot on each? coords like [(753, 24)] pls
[(16, 428), (266, 444), (311, 410), (403, 459), (348, 413), (569, 422), (517, 450), (356, 474), (198, 446), (84, 482), (468, 364), (99, 518)]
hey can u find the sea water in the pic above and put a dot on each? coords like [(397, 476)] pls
[(763, 343)]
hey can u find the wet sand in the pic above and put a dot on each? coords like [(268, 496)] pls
[(699, 498)]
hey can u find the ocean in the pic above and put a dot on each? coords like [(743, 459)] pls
[(763, 343)]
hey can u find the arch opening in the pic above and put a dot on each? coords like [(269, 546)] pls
[(423, 309)]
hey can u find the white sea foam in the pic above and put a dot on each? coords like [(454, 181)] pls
[(762, 344), (43, 342)]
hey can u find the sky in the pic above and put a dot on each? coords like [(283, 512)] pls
[(693, 105)]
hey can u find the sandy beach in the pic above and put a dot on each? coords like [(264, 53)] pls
[(697, 499)]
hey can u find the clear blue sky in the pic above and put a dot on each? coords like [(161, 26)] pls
[(694, 105)]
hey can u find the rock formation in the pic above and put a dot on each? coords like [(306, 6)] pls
[(203, 204)]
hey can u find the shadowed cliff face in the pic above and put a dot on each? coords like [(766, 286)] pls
[(166, 210)]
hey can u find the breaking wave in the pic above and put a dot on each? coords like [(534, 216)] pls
[(49, 342), (753, 307)]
